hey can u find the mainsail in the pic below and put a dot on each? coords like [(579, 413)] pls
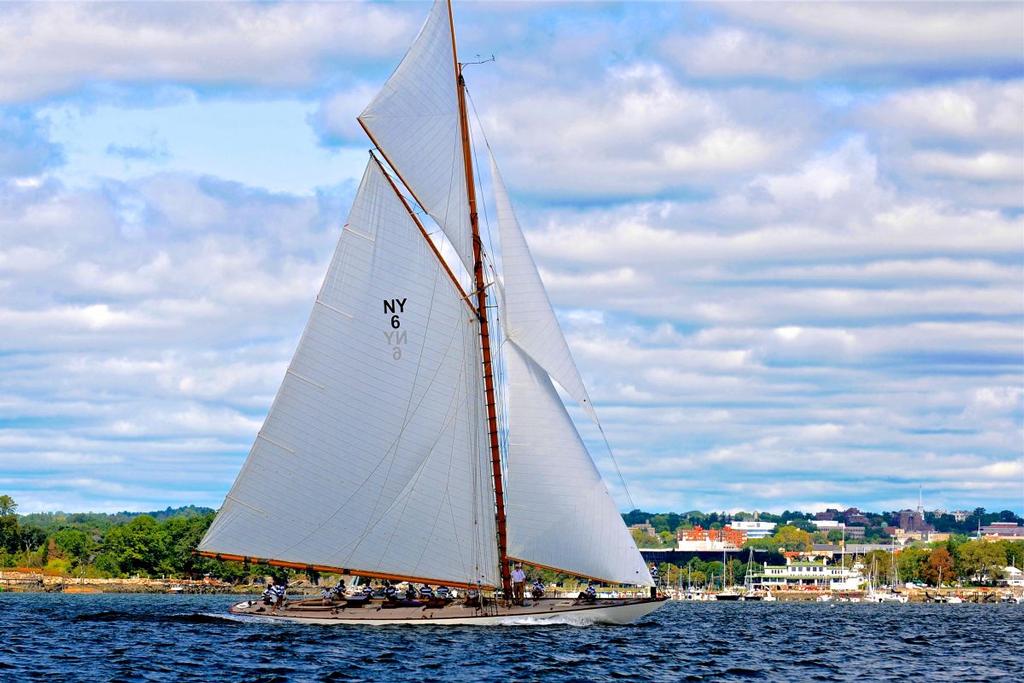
[(373, 457), (414, 121)]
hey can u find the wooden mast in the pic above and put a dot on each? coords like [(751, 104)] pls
[(485, 339)]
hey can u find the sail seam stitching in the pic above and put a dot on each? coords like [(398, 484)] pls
[(244, 504), (366, 237), (336, 310), (305, 379), (271, 441)]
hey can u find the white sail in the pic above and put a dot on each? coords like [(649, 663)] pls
[(414, 120), (559, 511), (528, 317), (374, 454)]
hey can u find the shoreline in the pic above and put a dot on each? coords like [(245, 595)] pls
[(23, 581)]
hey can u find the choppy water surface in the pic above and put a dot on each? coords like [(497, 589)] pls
[(164, 638)]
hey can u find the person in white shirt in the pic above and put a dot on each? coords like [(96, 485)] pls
[(518, 584)]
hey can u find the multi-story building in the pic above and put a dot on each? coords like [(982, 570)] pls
[(699, 538), (961, 515), (997, 530), (854, 517), (911, 520), (755, 529)]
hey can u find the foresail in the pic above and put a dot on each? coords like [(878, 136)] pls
[(528, 317), (414, 121), (373, 455), (560, 513)]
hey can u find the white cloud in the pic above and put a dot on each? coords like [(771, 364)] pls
[(637, 131), (50, 48), (984, 166), (799, 41), (967, 111)]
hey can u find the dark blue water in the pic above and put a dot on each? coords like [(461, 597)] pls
[(171, 638)]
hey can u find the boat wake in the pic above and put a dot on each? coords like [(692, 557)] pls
[(554, 620)]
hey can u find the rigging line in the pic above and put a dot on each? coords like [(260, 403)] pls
[(622, 480), (476, 160)]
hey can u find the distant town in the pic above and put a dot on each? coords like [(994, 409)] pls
[(844, 554), (717, 530)]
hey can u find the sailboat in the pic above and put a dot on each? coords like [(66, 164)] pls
[(418, 435), (728, 592)]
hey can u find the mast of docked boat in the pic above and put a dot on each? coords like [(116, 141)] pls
[(485, 340)]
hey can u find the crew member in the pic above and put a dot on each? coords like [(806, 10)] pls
[(654, 576), (537, 590), (280, 589), (589, 594), (426, 592), (518, 584), (443, 592)]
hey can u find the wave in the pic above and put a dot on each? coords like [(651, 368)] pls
[(111, 615)]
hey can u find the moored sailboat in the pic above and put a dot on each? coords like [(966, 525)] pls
[(412, 438)]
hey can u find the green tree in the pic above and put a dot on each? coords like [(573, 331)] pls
[(10, 534), (980, 560), (73, 544), (7, 505), (183, 535), (1014, 553), (910, 562), (32, 538), (140, 546), (792, 538)]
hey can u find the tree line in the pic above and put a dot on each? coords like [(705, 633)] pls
[(96, 545)]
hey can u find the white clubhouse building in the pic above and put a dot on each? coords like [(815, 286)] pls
[(803, 573)]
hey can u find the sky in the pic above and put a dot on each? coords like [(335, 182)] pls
[(785, 240)]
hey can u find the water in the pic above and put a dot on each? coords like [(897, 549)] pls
[(171, 638)]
